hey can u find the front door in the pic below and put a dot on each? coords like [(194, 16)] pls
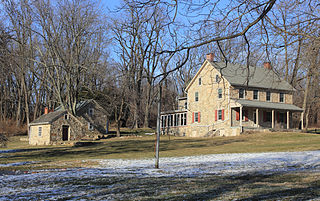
[(65, 133)]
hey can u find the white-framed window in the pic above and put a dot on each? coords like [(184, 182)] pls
[(219, 93), (255, 94), (90, 126), (196, 96), (185, 105), (199, 80), (90, 111), (268, 96), (219, 114), (196, 117), (281, 97), (241, 93), (40, 131), (66, 116)]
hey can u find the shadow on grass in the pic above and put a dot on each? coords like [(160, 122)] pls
[(131, 147)]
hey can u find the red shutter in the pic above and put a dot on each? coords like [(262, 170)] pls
[(216, 115), (246, 115), (192, 117), (222, 118), (237, 115), (199, 117), (264, 116)]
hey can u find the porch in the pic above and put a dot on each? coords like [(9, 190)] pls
[(262, 115)]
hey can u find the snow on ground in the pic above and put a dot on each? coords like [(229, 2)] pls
[(23, 186)]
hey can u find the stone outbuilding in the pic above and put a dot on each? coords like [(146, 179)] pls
[(59, 126)]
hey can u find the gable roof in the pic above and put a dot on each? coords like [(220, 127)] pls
[(237, 75), (58, 112), (48, 118)]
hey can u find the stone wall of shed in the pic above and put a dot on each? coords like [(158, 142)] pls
[(35, 139), (98, 120), (76, 129)]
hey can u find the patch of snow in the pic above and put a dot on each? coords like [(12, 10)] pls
[(79, 183)]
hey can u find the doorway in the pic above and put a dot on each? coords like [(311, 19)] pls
[(65, 133)]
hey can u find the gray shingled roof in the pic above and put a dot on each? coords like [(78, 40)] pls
[(268, 105), (48, 118), (52, 116), (259, 77)]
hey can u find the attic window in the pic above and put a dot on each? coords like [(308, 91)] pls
[(219, 93), (90, 126), (200, 81), (217, 79), (90, 112), (196, 96), (66, 116)]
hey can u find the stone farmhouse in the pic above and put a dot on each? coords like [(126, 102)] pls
[(59, 126), (228, 99)]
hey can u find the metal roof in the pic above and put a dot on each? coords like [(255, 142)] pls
[(258, 77), (268, 105)]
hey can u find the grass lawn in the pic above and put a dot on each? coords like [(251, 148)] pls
[(143, 147)]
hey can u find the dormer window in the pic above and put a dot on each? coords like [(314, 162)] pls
[(255, 94), (241, 93), (281, 97), (199, 81), (90, 111)]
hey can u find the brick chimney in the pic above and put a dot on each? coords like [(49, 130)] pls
[(46, 110), (267, 65), (210, 57)]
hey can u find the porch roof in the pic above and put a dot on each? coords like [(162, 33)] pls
[(174, 111), (268, 105)]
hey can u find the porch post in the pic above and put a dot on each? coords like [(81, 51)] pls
[(288, 125), (241, 130), (257, 117), (272, 119)]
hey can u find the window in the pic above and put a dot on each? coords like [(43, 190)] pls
[(90, 111), (268, 96), (219, 114), (184, 119), (281, 97), (241, 93), (255, 94), (282, 117), (40, 131), (90, 126), (217, 79), (196, 96), (66, 116), (185, 105), (162, 121), (219, 93), (200, 81), (196, 117)]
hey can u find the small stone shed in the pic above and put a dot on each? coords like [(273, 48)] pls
[(59, 126)]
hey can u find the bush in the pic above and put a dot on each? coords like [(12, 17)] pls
[(3, 140), (9, 128)]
